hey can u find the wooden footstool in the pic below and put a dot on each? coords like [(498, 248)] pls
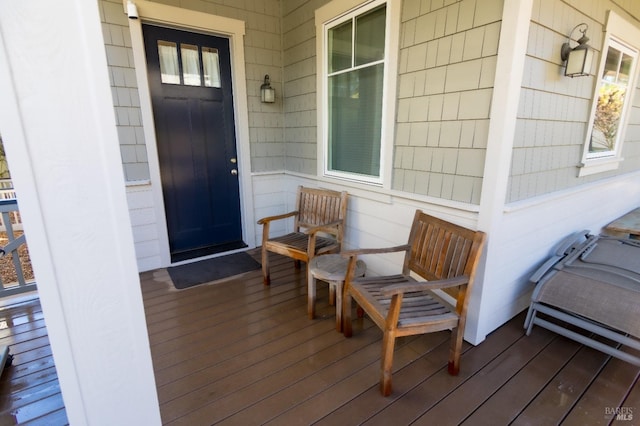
[(332, 269)]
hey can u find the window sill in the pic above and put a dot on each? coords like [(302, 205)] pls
[(601, 165)]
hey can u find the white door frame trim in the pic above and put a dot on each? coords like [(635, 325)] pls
[(216, 25)]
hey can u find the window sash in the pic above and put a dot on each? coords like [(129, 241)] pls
[(622, 35), (354, 87), (612, 101), (355, 115)]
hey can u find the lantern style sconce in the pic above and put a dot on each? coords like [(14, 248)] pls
[(578, 59), (267, 93)]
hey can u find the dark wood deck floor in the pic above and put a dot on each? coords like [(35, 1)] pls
[(237, 353), (29, 388)]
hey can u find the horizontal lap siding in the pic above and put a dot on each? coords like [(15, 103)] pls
[(529, 233), (144, 226)]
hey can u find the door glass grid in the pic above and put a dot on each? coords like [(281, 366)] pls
[(186, 68)]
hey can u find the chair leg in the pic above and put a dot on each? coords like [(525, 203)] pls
[(266, 278), (388, 344), (346, 314), (337, 289), (311, 296), (454, 351), (332, 294)]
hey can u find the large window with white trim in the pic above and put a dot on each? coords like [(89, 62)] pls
[(353, 81), (612, 99)]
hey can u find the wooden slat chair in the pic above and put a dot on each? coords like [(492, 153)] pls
[(319, 222), (443, 254)]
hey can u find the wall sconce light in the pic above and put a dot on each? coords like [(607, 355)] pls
[(578, 59), (267, 93), (132, 10)]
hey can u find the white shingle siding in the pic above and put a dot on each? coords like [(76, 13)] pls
[(299, 59), (445, 86), (124, 89)]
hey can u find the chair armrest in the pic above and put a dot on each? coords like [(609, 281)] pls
[(424, 285), (622, 240), (326, 227), (351, 253), (276, 217), (353, 257)]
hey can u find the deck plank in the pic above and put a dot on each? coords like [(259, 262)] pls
[(260, 353), (57, 417), (313, 408), (188, 355), (260, 376), (632, 401), (28, 395), (559, 396), (471, 394), (355, 367), (503, 406), (610, 390)]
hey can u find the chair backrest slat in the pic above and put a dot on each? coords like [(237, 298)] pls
[(319, 207), (440, 249)]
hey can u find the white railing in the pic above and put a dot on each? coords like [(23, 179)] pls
[(8, 193), (9, 208)]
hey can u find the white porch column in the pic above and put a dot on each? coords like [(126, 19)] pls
[(514, 33), (58, 126)]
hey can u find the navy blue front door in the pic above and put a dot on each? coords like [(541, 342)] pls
[(191, 90)]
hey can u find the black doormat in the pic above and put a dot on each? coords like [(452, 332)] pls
[(206, 251), (205, 271)]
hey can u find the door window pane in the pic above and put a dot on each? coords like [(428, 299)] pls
[(211, 66), (190, 65), (168, 54)]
